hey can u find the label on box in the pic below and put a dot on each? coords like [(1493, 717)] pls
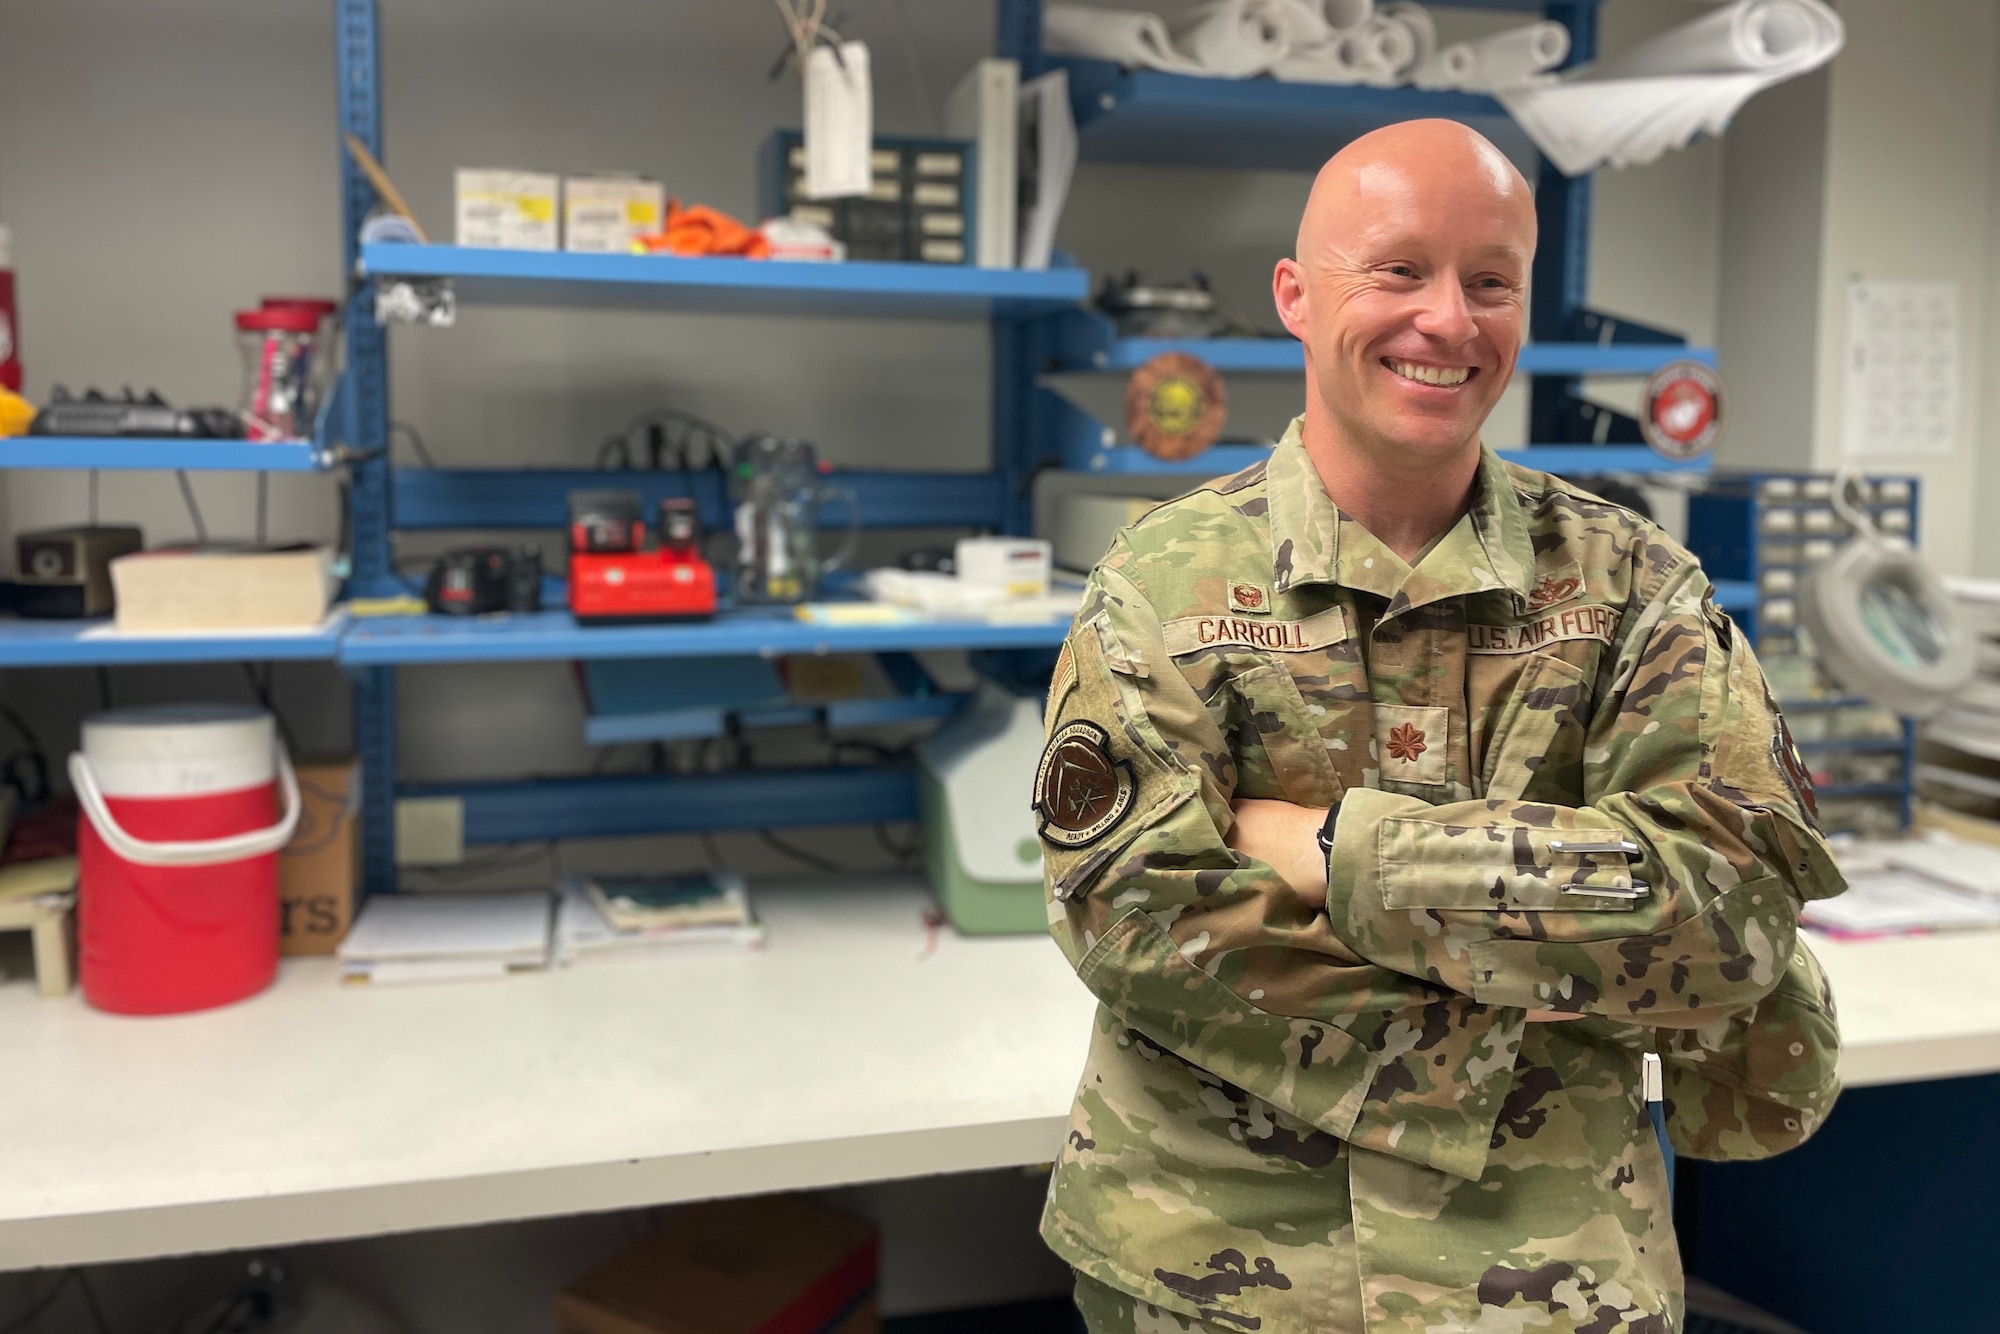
[(506, 210), (604, 215)]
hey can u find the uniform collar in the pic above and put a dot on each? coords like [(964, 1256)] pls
[(1312, 542)]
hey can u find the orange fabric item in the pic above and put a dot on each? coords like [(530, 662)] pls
[(702, 230)]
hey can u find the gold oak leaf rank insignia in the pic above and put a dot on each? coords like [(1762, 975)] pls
[(1081, 792)]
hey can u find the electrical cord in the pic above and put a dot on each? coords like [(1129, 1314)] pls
[(799, 854), (416, 439), (193, 509), (262, 689)]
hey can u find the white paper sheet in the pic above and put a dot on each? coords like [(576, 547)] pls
[(1898, 903), (1900, 395)]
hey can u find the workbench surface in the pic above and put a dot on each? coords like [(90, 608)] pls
[(847, 1050)]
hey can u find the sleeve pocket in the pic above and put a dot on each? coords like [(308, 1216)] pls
[(1505, 868)]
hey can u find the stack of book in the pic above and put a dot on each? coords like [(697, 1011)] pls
[(441, 937), (615, 917)]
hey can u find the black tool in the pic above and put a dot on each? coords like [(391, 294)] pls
[(483, 581), (98, 414)]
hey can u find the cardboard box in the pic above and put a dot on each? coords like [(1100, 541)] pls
[(320, 869), (604, 215), (773, 1265), (501, 209)]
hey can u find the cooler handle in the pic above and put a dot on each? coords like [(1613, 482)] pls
[(205, 852)]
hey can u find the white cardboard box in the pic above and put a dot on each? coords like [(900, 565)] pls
[(502, 209), (603, 215)]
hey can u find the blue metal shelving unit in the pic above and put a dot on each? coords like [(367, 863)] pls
[(51, 451), (1284, 356), (93, 644), (1036, 325), (546, 635), (666, 282)]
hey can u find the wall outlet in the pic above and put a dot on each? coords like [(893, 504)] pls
[(430, 831)]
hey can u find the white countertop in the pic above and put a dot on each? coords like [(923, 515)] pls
[(842, 1052)]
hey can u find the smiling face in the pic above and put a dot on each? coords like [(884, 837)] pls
[(1409, 291)]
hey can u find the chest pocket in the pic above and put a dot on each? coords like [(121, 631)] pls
[(1530, 717), (1279, 750)]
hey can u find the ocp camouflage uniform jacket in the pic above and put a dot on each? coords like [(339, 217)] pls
[(1564, 786)]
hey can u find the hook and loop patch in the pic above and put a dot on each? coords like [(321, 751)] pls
[(1082, 792)]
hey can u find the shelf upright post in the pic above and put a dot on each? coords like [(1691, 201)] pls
[(1562, 256), (358, 48), (1020, 346)]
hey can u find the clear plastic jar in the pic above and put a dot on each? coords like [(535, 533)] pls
[(317, 372), (276, 344)]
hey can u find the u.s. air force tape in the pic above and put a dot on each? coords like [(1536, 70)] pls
[(1081, 792)]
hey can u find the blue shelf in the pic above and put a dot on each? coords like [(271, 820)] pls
[(1735, 594), (539, 497), (1857, 745), (666, 282), (1840, 791), (558, 808), (62, 451), (839, 716), (556, 635), (1274, 356), (1221, 460), (74, 644), (1178, 120)]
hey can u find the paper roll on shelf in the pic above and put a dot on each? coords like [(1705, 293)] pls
[(1515, 57), (1446, 67), (1658, 96), (1235, 39), (1762, 35), (1140, 40)]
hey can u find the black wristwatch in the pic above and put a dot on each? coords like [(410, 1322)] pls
[(1326, 829)]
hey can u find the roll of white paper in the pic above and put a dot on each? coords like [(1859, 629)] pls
[(1131, 39), (1515, 57), (1447, 67), (1743, 38), (1235, 39), (1417, 21), (1658, 96), (1382, 50)]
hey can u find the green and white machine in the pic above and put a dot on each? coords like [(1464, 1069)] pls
[(975, 782)]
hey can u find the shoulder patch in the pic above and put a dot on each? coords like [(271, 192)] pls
[(1081, 791), (1062, 682), (1792, 767)]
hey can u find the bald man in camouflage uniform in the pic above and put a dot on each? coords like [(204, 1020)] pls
[(1397, 1085)]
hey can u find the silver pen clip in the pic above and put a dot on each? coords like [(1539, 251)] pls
[(1640, 889), (1624, 845)]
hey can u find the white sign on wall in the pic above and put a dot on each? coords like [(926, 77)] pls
[(1900, 395)]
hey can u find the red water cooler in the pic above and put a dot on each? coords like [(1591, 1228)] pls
[(184, 811)]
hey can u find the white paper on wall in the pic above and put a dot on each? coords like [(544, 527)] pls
[(1900, 394)]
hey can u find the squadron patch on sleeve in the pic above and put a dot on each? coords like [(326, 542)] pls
[(1792, 767), (1081, 792)]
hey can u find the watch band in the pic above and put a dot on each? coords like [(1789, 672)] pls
[(1326, 829)]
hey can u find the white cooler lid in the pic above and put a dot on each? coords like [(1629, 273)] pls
[(175, 750)]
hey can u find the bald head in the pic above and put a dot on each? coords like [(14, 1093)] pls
[(1439, 161), (1409, 293)]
